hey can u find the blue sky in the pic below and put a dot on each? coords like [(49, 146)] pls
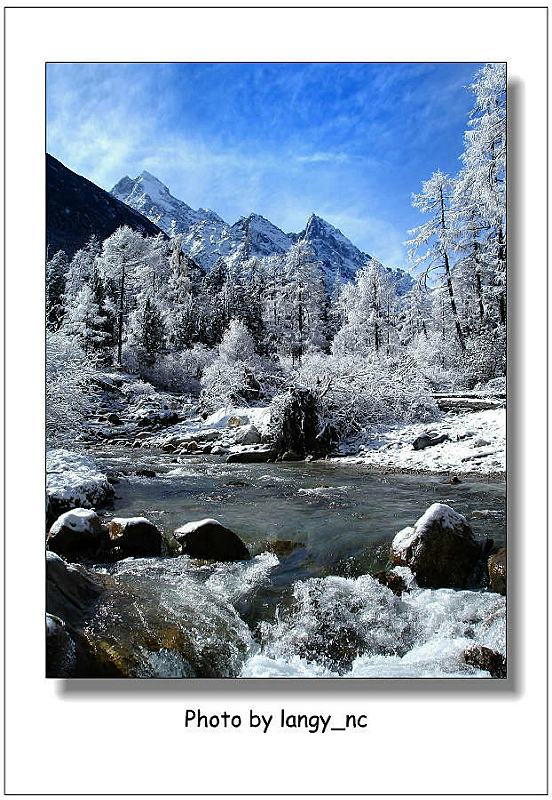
[(350, 142)]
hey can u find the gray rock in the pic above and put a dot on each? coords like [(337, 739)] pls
[(219, 450), (425, 440), (76, 533), (208, 539), (248, 434), (251, 457), (440, 549), (136, 536)]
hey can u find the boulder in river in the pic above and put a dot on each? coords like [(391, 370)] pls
[(136, 536), (487, 659), (76, 533), (60, 649), (497, 571), (134, 626), (70, 589), (392, 580), (260, 456), (143, 472), (440, 549), (209, 539), (282, 547)]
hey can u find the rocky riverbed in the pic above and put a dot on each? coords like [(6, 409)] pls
[(296, 573)]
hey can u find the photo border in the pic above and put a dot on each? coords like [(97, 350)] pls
[(502, 683)]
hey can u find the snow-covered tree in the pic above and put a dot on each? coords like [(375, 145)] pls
[(368, 308), (81, 269), (231, 376), (300, 302), (436, 239), (237, 344), (122, 255), (147, 332), (88, 321), (69, 394), (481, 186)]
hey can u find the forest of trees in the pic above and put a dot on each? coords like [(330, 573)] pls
[(258, 326)]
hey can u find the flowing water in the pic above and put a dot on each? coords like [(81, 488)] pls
[(313, 609)]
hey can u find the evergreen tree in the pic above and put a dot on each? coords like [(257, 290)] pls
[(148, 332), (56, 271)]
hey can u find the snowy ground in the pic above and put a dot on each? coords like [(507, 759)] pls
[(476, 444)]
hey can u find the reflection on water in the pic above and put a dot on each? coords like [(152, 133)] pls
[(344, 516)]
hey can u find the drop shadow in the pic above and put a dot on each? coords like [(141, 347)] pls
[(159, 688)]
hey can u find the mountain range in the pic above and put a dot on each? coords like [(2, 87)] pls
[(206, 237), (77, 208)]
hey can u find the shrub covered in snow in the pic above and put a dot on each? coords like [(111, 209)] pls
[(176, 371), (231, 376), (69, 387), (354, 393)]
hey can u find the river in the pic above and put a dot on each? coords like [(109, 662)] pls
[(313, 610)]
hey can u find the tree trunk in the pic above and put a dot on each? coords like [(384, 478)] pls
[(121, 312), (448, 277)]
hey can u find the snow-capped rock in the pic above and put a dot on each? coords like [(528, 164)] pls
[(339, 257), (337, 254), (440, 549), (152, 198)]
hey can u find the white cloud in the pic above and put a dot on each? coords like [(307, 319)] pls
[(323, 157)]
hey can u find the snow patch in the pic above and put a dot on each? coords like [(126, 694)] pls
[(74, 480), (390, 447), (82, 520)]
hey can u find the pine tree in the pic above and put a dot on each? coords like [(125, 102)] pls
[(303, 301), (122, 255), (56, 271), (87, 322), (81, 268), (147, 331)]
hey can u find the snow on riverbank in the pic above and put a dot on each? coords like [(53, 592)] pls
[(74, 480), (224, 428), (476, 444)]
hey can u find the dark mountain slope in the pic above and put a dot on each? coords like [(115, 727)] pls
[(76, 208)]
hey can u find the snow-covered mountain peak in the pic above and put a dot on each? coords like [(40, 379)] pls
[(151, 197), (152, 186), (337, 254)]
